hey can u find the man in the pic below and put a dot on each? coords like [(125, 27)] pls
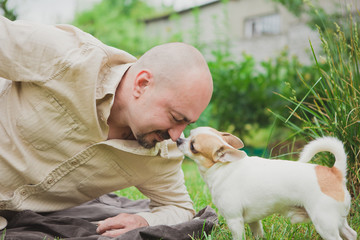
[(79, 119)]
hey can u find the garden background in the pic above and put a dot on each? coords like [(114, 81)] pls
[(274, 106)]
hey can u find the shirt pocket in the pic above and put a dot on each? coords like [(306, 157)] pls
[(47, 124), (108, 178)]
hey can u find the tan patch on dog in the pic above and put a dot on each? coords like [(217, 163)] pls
[(330, 182), (207, 145), (232, 140)]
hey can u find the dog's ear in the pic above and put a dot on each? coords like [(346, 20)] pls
[(232, 140), (227, 154)]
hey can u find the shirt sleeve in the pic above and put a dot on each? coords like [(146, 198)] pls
[(31, 52), (170, 202)]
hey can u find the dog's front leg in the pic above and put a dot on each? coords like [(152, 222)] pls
[(236, 226), (257, 229)]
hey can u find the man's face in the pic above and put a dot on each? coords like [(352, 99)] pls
[(160, 119), (165, 113)]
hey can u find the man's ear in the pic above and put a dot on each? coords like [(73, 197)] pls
[(227, 154), (142, 80), (232, 140)]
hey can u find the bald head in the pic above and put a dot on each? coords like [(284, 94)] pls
[(173, 63)]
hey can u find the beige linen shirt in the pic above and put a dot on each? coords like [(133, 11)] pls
[(57, 86)]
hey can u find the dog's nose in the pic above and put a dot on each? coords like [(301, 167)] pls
[(179, 141)]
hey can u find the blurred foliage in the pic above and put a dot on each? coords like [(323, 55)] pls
[(6, 12), (118, 23), (297, 7), (244, 90)]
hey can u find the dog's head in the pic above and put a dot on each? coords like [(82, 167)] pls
[(207, 146)]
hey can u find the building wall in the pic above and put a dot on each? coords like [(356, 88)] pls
[(219, 22)]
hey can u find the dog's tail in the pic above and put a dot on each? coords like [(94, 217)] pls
[(329, 144)]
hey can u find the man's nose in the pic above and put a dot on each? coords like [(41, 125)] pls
[(176, 131)]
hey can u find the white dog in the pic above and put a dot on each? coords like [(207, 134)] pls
[(247, 189)]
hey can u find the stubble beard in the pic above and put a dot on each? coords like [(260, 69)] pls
[(143, 140)]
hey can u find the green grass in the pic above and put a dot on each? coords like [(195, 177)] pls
[(131, 193), (275, 227)]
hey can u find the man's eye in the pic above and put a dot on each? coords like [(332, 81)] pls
[(193, 150), (177, 120)]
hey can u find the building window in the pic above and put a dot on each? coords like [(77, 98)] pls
[(264, 25)]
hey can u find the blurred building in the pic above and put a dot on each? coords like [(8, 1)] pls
[(261, 28)]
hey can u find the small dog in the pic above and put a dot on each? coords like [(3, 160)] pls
[(247, 189)]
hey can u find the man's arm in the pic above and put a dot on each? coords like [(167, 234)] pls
[(170, 204), (31, 52)]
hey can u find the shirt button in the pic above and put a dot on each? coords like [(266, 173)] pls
[(73, 162), (23, 192), (50, 181)]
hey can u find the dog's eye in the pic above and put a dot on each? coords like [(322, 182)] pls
[(193, 150)]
